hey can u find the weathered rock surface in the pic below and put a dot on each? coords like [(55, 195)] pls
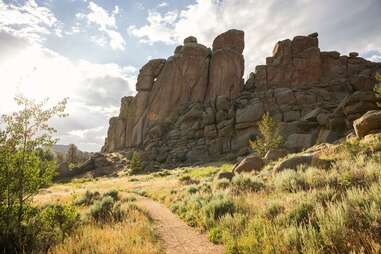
[(195, 106), (275, 154), (308, 159), (370, 121), (249, 164), (99, 164)]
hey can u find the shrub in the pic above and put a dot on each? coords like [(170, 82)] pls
[(106, 210), (140, 192), (205, 187), (332, 225), (57, 222), (234, 223), (259, 236), (87, 198), (315, 178), (217, 208), (324, 195), (215, 235), (162, 173), (272, 210), (354, 177), (192, 189), (114, 194), (243, 183), (187, 179), (190, 208), (289, 180), (301, 213), (129, 198), (270, 137), (41, 229), (221, 184)]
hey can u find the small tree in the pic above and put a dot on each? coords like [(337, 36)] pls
[(269, 138), (72, 154), (377, 87), (135, 163), (25, 166)]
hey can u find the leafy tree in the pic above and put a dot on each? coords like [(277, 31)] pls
[(135, 163), (72, 154), (269, 138), (25, 166)]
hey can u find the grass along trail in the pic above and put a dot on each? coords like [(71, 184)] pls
[(176, 236)]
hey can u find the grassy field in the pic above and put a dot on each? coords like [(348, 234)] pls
[(134, 232), (308, 210)]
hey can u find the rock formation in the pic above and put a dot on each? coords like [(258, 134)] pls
[(195, 106)]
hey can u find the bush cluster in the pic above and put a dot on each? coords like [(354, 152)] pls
[(308, 210), (106, 210), (42, 228)]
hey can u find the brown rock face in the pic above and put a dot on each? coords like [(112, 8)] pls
[(370, 121), (227, 64), (295, 63), (148, 73), (183, 79), (194, 106), (250, 163)]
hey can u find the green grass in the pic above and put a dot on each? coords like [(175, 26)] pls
[(208, 171), (308, 210)]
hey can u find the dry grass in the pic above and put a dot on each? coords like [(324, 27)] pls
[(133, 235)]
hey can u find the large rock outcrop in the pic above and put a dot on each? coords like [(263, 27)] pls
[(195, 106)]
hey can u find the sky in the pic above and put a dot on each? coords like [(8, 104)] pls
[(91, 51)]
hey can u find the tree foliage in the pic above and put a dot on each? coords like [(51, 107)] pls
[(135, 163), (269, 137), (26, 165), (72, 154)]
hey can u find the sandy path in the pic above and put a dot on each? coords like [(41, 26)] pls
[(177, 237)]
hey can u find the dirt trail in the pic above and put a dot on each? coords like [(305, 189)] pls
[(177, 237)]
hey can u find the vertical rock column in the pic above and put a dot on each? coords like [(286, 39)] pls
[(227, 65)]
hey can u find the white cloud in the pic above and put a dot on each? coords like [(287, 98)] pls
[(159, 28), (29, 21), (140, 6), (106, 24), (267, 21), (162, 5), (94, 90)]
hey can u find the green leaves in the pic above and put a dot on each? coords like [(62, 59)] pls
[(270, 137), (25, 163)]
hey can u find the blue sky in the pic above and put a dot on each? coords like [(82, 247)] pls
[(91, 51)]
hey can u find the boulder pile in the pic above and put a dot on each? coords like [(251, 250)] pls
[(195, 105)]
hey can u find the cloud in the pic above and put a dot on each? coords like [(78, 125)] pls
[(159, 28), (162, 5), (373, 55), (94, 90), (29, 21), (106, 24), (267, 21)]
